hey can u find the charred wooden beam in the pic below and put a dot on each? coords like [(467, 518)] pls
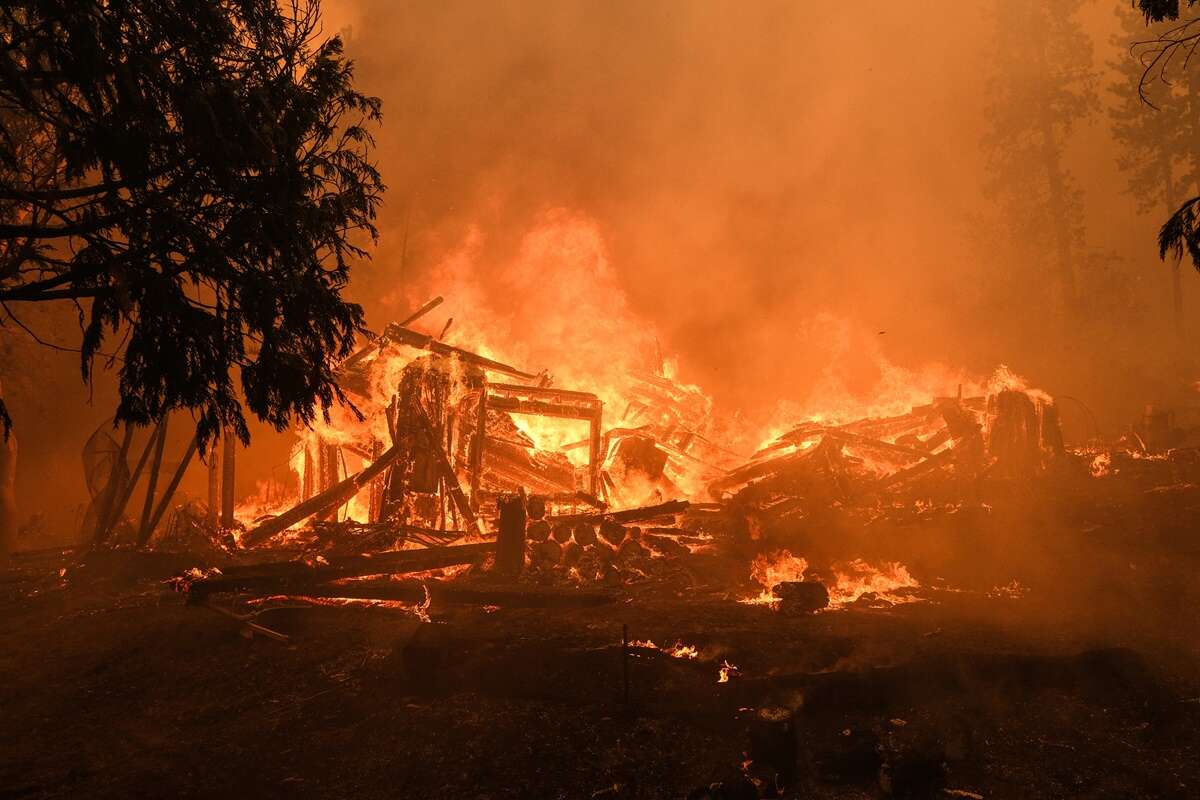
[(421, 341), (114, 490), (160, 440), (289, 575), (453, 487), (332, 497), (510, 540), (228, 478), (169, 493), (626, 515), (420, 312), (478, 442), (413, 591)]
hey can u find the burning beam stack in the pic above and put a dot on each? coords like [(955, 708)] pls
[(445, 455)]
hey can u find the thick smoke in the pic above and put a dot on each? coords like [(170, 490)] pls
[(757, 172), (785, 196)]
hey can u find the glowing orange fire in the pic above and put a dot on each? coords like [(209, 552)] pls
[(677, 650), (585, 330), (852, 580)]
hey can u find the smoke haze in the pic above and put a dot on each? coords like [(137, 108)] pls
[(785, 196)]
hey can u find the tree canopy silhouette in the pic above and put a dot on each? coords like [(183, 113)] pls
[(195, 175), (1170, 50)]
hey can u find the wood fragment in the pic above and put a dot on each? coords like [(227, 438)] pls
[(332, 497), (160, 441), (289, 575), (170, 490), (626, 515)]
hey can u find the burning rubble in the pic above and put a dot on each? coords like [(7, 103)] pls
[(458, 459)]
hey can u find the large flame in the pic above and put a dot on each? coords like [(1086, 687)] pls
[(556, 306), (851, 580)]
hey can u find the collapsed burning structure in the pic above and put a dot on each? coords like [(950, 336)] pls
[(450, 457), (681, 568)]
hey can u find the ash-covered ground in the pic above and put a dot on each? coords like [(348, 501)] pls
[(1052, 652)]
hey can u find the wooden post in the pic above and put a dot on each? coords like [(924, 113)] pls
[(152, 482), (306, 488), (477, 443), (127, 491), (510, 541), (594, 455), (170, 492), (375, 491), (334, 497), (327, 473), (214, 483), (114, 489), (228, 479)]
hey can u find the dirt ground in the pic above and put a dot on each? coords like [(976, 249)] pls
[(1083, 682)]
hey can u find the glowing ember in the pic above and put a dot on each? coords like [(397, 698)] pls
[(1101, 465), (677, 650), (726, 672)]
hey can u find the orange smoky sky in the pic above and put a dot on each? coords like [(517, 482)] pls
[(773, 183)]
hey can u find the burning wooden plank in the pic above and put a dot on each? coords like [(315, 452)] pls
[(627, 515), (332, 497), (290, 575)]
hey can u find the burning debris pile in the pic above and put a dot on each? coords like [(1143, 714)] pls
[(459, 459)]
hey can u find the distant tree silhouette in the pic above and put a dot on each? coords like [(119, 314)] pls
[(195, 176), (1159, 153), (1041, 85), (1166, 56)]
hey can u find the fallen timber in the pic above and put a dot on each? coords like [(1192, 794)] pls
[(511, 596), (423, 341), (284, 576), (628, 515), (332, 497)]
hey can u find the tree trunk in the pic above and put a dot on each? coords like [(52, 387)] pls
[(8, 495)]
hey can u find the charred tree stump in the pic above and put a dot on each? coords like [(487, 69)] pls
[(510, 543), (228, 475)]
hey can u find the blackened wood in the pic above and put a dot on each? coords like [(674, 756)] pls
[(333, 497), (477, 445), (627, 515), (413, 590), (171, 487), (160, 440), (420, 312), (451, 477), (114, 489), (510, 541), (214, 484), (127, 490), (421, 341), (287, 576), (228, 478)]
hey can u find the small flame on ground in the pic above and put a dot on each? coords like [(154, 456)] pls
[(857, 578), (770, 571), (677, 650), (726, 672)]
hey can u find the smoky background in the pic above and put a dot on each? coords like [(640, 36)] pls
[(787, 198)]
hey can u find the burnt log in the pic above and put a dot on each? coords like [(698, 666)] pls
[(627, 515), (332, 497), (584, 533), (538, 531), (612, 532), (290, 575), (801, 597), (510, 541)]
